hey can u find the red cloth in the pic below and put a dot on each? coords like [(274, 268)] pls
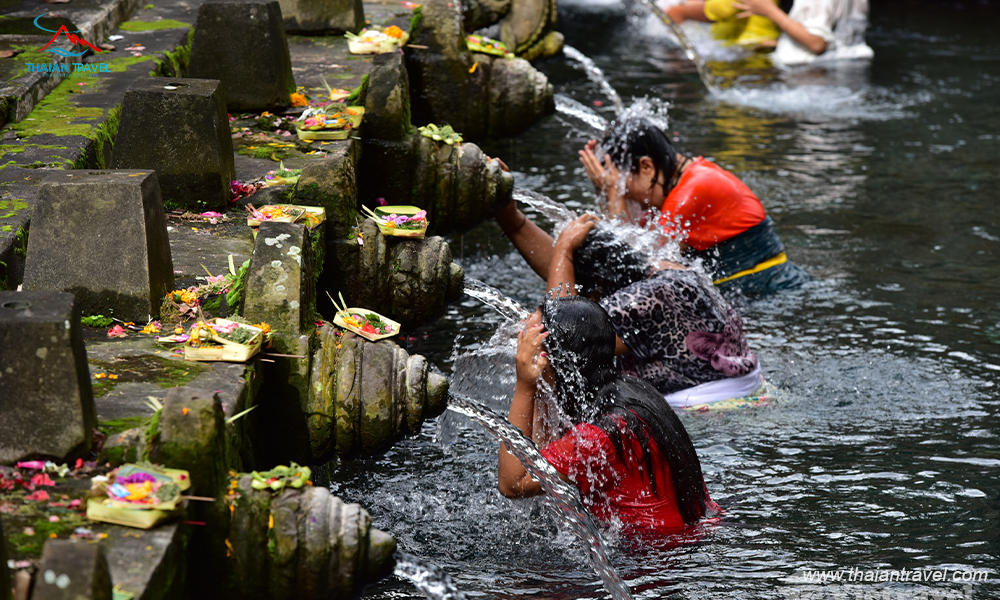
[(709, 205), (613, 489)]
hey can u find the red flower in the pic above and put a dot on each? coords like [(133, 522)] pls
[(369, 329), (38, 496), (42, 479)]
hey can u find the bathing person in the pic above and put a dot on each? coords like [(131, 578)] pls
[(675, 330), (728, 26), (713, 214), (831, 29), (632, 461)]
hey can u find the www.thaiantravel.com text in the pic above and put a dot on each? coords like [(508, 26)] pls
[(899, 584)]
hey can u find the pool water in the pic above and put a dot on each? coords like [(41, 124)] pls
[(882, 452)]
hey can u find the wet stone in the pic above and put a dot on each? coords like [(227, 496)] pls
[(280, 285), (72, 571), (331, 183), (47, 406), (322, 16), (6, 581), (243, 45), (180, 129), (101, 235), (387, 103)]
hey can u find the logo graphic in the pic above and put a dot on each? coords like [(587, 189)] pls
[(73, 39)]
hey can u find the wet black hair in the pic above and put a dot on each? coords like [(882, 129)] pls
[(581, 347), (604, 263), (629, 140)]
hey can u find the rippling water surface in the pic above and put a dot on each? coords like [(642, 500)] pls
[(883, 451)]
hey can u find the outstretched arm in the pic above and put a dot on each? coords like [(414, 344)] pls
[(562, 273), (794, 29), (534, 244), (513, 479)]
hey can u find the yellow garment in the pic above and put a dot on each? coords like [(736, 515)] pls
[(767, 264), (749, 31)]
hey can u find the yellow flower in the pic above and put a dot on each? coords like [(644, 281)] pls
[(393, 31), (299, 100)]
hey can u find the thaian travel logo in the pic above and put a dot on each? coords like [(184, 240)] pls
[(73, 39)]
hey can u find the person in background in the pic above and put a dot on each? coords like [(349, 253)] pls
[(813, 29), (713, 215), (727, 25), (632, 461)]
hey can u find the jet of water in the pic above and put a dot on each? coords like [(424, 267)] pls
[(595, 74), (545, 206), (488, 294), (430, 579), (699, 63), (561, 495), (571, 108)]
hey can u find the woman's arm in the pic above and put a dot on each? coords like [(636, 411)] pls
[(605, 180), (794, 29), (534, 244), (513, 480), (562, 273)]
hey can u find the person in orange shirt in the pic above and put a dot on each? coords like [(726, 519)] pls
[(709, 211)]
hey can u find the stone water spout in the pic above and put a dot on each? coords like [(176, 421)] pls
[(364, 395), (302, 543)]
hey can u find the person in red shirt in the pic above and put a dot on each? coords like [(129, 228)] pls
[(631, 459), (709, 211)]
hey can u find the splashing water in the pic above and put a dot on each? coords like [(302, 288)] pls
[(493, 297), (595, 74), (547, 207), (430, 579), (699, 63), (561, 495), (571, 108)]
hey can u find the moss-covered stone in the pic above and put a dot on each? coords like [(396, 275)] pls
[(136, 25)]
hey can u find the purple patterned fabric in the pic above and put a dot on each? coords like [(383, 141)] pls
[(680, 331)]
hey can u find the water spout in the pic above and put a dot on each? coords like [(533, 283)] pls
[(488, 294), (699, 63), (545, 206), (595, 74), (430, 579), (561, 495), (571, 108)]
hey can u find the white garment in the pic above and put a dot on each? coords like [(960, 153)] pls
[(714, 391), (841, 23)]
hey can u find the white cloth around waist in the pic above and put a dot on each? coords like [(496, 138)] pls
[(714, 391)]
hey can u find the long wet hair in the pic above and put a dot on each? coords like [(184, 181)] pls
[(581, 347), (629, 140), (605, 263)]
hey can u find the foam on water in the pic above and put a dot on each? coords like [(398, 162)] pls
[(825, 101)]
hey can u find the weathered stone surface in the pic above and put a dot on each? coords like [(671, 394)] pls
[(103, 236), (322, 16), (418, 270), (322, 548), (284, 403), (480, 13), (526, 23), (445, 89), (72, 571), (6, 581), (46, 407), (387, 103), (242, 44), (519, 93), (280, 288), (410, 281), (367, 394), (191, 435), (550, 45), (180, 129), (330, 183)]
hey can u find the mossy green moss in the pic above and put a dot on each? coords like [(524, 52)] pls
[(175, 62), (59, 114), (416, 20), (358, 94), (113, 426), (153, 25), (104, 136), (7, 228), (10, 208), (164, 372), (21, 242)]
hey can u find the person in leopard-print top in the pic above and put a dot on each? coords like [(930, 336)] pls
[(674, 328)]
